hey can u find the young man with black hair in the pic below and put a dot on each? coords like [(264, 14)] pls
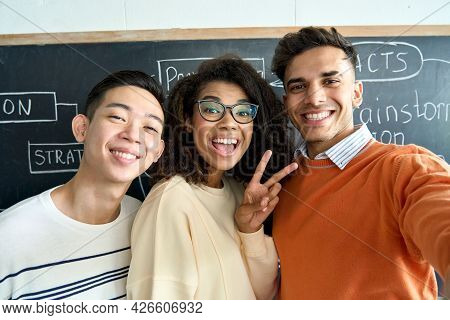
[(73, 241)]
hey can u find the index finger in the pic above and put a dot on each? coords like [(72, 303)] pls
[(261, 167), (281, 174)]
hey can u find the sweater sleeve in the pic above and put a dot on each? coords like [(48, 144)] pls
[(163, 264), (422, 194), (262, 261)]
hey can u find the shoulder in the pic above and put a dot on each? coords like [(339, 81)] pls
[(173, 190), (414, 153), (24, 211), (410, 152), (172, 196), (168, 205), (419, 160), (411, 160), (23, 227)]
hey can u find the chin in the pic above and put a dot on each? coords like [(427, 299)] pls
[(314, 137), (123, 179), (223, 165)]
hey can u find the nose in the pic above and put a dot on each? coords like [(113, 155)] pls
[(228, 122), (315, 95), (131, 132)]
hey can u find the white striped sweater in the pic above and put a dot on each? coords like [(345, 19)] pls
[(46, 255)]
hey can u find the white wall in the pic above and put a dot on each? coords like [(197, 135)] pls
[(37, 16)]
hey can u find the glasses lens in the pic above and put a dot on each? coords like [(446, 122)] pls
[(211, 110), (245, 113)]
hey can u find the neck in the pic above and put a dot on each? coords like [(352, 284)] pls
[(317, 147), (87, 199), (215, 179)]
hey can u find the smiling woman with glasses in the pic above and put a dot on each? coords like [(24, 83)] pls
[(185, 239)]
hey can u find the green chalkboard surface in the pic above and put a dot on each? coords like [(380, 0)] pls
[(406, 96)]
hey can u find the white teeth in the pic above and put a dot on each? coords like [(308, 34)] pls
[(225, 141), (317, 116), (124, 155)]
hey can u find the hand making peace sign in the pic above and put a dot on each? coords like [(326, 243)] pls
[(260, 199)]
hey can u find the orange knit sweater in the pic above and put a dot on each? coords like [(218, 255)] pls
[(369, 231)]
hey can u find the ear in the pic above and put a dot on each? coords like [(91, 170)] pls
[(160, 151), (357, 97), (80, 125)]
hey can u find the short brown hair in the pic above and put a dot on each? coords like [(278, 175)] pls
[(293, 44)]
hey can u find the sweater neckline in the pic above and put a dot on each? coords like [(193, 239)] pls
[(215, 191), (58, 215), (319, 162)]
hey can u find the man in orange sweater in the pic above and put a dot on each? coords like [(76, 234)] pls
[(359, 219)]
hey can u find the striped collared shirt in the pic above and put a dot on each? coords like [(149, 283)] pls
[(343, 151)]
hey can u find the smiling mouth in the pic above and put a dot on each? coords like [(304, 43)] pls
[(317, 116), (125, 155), (225, 146)]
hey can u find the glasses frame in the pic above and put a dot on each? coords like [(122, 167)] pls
[(225, 106)]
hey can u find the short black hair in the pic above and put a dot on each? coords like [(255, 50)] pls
[(119, 79), (295, 43)]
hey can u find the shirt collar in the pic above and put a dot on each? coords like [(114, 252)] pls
[(343, 151)]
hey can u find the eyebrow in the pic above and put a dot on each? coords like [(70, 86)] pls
[(330, 74), (295, 80), (218, 99), (322, 75), (129, 109)]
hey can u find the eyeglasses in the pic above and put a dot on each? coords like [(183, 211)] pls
[(243, 112)]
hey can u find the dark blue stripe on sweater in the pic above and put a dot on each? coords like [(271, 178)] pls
[(97, 285), (62, 262), (72, 284), (119, 297)]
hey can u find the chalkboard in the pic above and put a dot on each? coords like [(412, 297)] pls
[(406, 96)]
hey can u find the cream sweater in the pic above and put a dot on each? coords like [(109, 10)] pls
[(185, 245)]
